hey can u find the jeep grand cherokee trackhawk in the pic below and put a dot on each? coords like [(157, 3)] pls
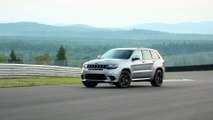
[(121, 66)]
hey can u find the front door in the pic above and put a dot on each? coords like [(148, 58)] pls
[(137, 65)]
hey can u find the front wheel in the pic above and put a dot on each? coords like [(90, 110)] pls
[(124, 80), (158, 79), (89, 84)]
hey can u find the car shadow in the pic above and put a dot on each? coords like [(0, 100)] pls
[(114, 87), (135, 87)]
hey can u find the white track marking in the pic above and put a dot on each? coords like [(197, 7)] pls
[(179, 80)]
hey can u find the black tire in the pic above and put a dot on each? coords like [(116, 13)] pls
[(124, 80), (90, 84), (158, 79)]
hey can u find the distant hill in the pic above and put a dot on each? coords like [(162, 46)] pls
[(30, 29), (24, 26), (31, 26), (189, 27)]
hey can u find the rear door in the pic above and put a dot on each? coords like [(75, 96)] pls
[(147, 64)]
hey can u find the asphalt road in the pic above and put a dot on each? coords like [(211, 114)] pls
[(188, 100)]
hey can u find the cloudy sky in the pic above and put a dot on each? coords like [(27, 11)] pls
[(106, 13)]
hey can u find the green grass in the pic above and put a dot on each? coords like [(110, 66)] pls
[(40, 81)]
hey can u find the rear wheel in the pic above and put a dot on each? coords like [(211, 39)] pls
[(158, 79), (124, 80), (89, 84)]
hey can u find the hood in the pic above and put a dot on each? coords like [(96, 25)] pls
[(106, 61)]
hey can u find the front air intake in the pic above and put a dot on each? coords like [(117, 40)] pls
[(95, 77)]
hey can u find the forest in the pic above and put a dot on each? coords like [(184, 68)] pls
[(175, 53), (32, 43)]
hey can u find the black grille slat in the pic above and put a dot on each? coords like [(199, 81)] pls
[(95, 77), (96, 67)]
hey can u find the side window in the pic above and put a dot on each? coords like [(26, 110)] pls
[(139, 54), (154, 55), (146, 55)]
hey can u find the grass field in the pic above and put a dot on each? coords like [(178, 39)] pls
[(40, 81)]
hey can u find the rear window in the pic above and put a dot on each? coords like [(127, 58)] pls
[(154, 55), (146, 55)]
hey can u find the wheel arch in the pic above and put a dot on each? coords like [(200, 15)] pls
[(127, 69), (158, 68)]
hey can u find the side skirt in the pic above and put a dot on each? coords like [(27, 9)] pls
[(141, 79)]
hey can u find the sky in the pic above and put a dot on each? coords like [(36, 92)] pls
[(106, 13)]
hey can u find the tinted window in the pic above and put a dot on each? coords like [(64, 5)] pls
[(146, 55), (118, 54), (154, 55), (139, 54)]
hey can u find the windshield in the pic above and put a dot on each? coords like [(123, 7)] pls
[(118, 54)]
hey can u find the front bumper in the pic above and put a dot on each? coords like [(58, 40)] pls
[(105, 75)]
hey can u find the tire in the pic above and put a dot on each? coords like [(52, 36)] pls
[(158, 79), (89, 84), (124, 80)]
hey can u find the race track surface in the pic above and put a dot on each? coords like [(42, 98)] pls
[(178, 100)]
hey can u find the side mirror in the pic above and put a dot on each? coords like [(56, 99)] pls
[(135, 58), (99, 56)]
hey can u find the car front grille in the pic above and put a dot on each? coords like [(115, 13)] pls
[(95, 77), (96, 67)]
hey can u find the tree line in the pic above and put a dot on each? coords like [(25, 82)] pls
[(32, 51), (44, 58)]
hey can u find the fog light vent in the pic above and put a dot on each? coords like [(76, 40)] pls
[(112, 77)]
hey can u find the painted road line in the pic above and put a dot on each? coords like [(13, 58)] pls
[(179, 80)]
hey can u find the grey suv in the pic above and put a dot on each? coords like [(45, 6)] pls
[(121, 66)]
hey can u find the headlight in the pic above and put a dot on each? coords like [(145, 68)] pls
[(85, 66), (112, 66)]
